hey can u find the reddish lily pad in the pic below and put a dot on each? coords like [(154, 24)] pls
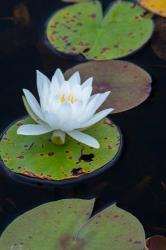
[(130, 84), (65, 225), (156, 242), (21, 14), (155, 6), (82, 29), (16, 30), (159, 38)]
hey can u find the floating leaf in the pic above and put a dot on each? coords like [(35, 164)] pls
[(81, 29), (37, 156), (21, 14), (156, 242), (64, 225), (16, 31), (130, 84), (155, 6), (159, 38)]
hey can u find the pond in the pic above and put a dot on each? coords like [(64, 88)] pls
[(137, 180)]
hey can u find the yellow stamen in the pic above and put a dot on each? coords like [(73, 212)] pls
[(69, 98), (62, 99)]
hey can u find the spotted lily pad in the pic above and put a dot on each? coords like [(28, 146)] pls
[(159, 38), (130, 84), (65, 224), (82, 29), (37, 156), (155, 6)]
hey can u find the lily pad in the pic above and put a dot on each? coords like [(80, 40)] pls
[(37, 156), (156, 242), (65, 224), (130, 84), (22, 15), (155, 6), (159, 38), (82, 29)]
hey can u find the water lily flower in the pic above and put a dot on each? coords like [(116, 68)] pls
[(66, 107)]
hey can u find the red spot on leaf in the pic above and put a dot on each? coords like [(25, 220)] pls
[(64, 38), (51, 154), (104, 50), (81, 43), (93, 16), (137, 242)]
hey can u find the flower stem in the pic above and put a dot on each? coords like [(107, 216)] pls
[(58, 138)]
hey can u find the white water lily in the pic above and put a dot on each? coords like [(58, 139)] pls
[(66, 107)]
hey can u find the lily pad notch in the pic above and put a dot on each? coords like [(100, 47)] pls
[(65, 224), (81, 29)]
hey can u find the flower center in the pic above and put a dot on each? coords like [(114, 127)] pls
[(70, 98)]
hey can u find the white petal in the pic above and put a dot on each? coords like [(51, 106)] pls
[(33, 103), (77, 91), (56, 82), (65, 89), (86, 93), (88, 112), (65, 117), (44, 98), (75, 79), (58, 75), (84, 138), (97, 117), (41, 81), (33, 129), (54, 87), (43, 84), (87, 83), (97, 101), (30, 112), (53, 104), (77, 109), (61, 119), (52, 120)]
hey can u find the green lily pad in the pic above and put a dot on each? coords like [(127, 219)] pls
[(65, 225), (37, 156), (82, 29), (159, 38), (130, 84)]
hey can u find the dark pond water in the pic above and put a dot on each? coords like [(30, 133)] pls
[(137, 180)]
